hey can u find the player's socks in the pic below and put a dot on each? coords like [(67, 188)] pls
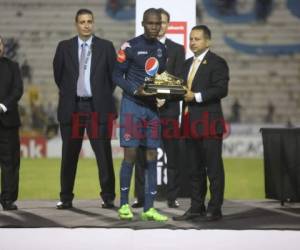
[(150, 184), (125, 178)]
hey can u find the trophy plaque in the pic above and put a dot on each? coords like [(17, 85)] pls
[(165, 85)]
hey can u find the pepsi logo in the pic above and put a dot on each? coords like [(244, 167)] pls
[(151, 66)]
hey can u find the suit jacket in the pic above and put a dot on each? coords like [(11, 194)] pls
[(176, 57), (66, 72), (11, 86), (211, 80)]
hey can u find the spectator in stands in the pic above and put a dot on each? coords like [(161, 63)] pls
[(289, 124), (10, 94), (11, 48), (22, 112), (207, 77), (226, 7), (168, 111), (269, 118), (50, 111), (114, 6), (263, 9), (19, 13), (199, 13), (52, 125), (26, 71), (33, 94), (38, 117), (236, 111), (83, 68)]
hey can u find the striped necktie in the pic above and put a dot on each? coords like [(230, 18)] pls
[(81, 86)]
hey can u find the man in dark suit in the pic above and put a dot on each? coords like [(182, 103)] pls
[(11, 91), (82, 70), (207, 77), (168, 111)]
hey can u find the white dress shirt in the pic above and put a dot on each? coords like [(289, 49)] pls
[(198, 95), (2, 106), (163, 39)]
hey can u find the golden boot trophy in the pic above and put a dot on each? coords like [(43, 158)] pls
[(165, 85)]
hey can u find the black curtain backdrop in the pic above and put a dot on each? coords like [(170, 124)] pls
[(282, 163)]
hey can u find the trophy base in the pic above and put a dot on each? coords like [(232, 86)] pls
[(165, 91)]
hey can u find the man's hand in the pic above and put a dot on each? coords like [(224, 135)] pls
[(141, 92), (189, 96), (160, 102)]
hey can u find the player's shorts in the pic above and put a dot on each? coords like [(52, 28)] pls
[(139, 125)]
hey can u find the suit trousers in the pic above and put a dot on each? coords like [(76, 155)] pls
[(205, 160), (99, 137), (9, 162)]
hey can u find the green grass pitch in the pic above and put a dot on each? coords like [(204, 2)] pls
[(39, 179)]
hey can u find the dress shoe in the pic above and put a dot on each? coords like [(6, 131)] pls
[(8, 205), (108, 204), (189, 215), (64, 205), (137, 204), (213, 216), (173, 204)]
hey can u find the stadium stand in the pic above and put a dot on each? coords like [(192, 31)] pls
[(259, 78), (256, 78)]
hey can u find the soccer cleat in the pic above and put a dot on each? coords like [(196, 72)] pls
[(125, 212), (152, 214)]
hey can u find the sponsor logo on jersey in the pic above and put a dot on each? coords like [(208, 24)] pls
[(121, 57), (151, 66), (142, 52), (127, 137)]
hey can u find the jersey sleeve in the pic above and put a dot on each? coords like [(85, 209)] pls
[(124, 59)]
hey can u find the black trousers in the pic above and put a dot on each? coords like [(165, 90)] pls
[(9, 162), (205, 160), (171, 147), (72, 137)]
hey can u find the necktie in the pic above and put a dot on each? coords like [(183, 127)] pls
[(81, 87), (191, 77), (192, 73)]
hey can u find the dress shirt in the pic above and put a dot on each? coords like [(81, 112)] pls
[(87, 74), (3, 107), (198, 96)]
